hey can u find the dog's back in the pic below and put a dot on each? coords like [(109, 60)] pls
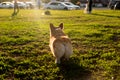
[(60, 44)]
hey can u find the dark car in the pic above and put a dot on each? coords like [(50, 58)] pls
[(114, 4)]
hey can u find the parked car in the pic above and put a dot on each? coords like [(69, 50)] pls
[(61, 5), (71, 4), (22, 5), (114, 4), (30, 5), (6, 5)]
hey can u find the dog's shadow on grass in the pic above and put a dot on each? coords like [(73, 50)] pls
[(71, 70)]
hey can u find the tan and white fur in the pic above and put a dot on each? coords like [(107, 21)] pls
[(60, 44)]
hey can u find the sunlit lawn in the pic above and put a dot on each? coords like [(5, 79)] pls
[(25, 54)]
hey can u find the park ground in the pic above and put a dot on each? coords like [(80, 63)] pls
[(25, 53)]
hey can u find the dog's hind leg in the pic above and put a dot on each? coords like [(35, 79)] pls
[(59, 51), (68, 51), (57, 60)]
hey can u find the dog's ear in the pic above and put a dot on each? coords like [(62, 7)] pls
[(51, 26), (61, 25)]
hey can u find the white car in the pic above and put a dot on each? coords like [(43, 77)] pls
[(30, 5), (61, 5), (22, 5), (6, 5), (72, 5)]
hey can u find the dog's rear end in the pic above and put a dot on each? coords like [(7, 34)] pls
[(60, 44)]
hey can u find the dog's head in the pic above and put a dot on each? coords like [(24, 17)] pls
[(56, 31)]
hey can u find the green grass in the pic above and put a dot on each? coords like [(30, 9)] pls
[(25, 54)]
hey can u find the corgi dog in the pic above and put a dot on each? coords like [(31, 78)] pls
[(60, 44)]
